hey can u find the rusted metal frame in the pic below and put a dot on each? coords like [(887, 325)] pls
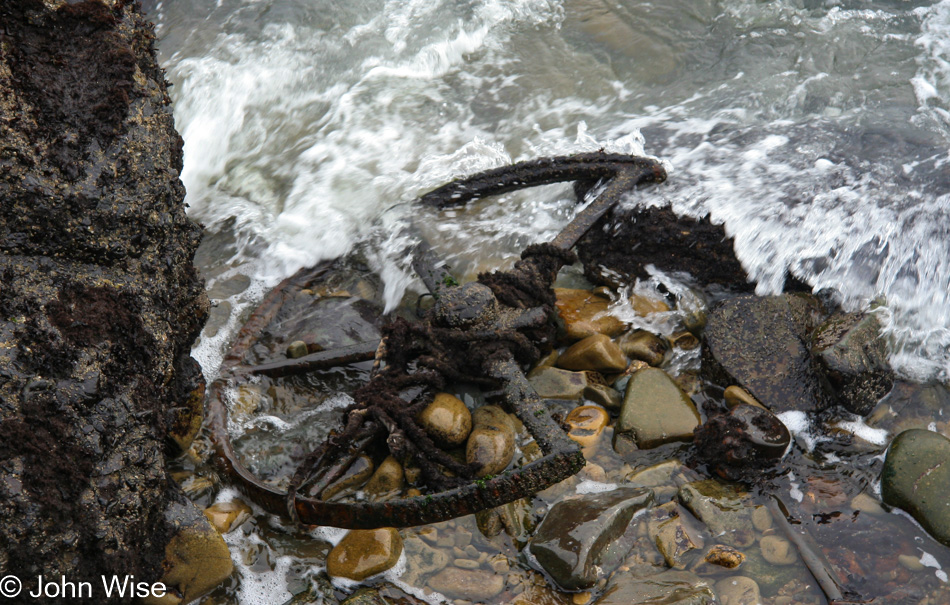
[(562, 456), (321, 360), (625, 172), (544, 171)]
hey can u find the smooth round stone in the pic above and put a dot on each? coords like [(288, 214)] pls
[(585, 313), (644, 346), (916, 478), (388, 478), (597, 353), (761, 518), (478, 585), (227, 516), (491, 444), (555, 383), (587, 424), (447, 420), (736, 395), (738, 590), (656, 410), (684, 340), (777, 550), (364, 552)]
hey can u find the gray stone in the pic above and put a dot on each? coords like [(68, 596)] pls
[(672, 587), (471, 584), (854, 357), (916, 478), (738, 590), (577, 543), (754, 342), (721, 508), (656, 410), (555, 383)]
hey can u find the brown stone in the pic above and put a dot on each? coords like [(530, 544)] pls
[(447, 420), (387, 478), (585, 313), (365, 552), (597, 353), (587, 424), (644, 346), (477, 585), (226, 516), (491, 444)]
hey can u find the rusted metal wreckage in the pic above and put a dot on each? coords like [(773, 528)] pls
[(481, 332)]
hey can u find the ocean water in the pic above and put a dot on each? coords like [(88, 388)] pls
[(817, 132)]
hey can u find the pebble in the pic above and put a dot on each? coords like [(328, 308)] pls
[(473, 584), (724, 556), (762, 518), (596, 352), (585, 313), (491, 444), (297, 349), (387, 478), (587, 424), (736, 395), (644, 346), (738, 590), (364, 552), (228, 516), (777, 550), (447, 420)]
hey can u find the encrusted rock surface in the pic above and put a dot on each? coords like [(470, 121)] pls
[(99, 303)]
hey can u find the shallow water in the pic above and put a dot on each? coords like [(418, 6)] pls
[(818, 133)]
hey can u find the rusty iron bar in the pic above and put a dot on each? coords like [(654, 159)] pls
[(562, 456)]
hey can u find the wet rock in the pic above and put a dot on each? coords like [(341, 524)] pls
[(721, 508), (226, 516), (296, 349), (738, 590), (477, 585), (754, 342), (422, 561), (585, 314), (675, 535), (185, 419), (736, 395), (491, 444), (656, 411), (100, 302), (387, 478), (554, 383), (600, 393), (665, 240), (597, 353), (573, 542), (672, 587), (357, 474), (724, 556), (644, 346), (384, 594), (854, 357), (196, 558), (777, 550), (742, 443), (684, 340), (655, 475), (364, 552), (762, 518), (771, 578), (916, 478), (587, 424), (447, 420)]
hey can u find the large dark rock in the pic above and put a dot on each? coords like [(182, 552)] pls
[(853, 355), (916, 478), (100, 301), (759, 343)]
